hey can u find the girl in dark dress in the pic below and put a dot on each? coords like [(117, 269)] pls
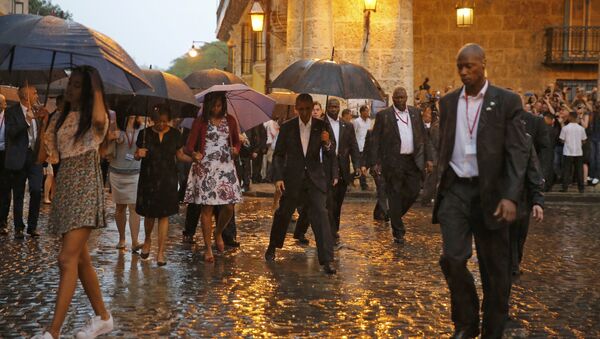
[(157, 188)]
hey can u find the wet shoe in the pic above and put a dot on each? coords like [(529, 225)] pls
[(19, 234), (302, 240), (270, 254), (136, 248), (144, 255), (188, 239), (95, 327), (45, 335), (329, 269), (161, 263), (465, 333), (595, 181)]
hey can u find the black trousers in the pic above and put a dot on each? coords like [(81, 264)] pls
[(245, 170), (570, 163), (34, 174), (302, 224), (381, 207), (313, 200), (192, 216), (402, 189), (256, 168), (429, 187), (461, 218), (5, 196), (183, 170), (518, 235), (336, 197)]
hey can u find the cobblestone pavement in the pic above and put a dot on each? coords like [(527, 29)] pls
[(380, 289)]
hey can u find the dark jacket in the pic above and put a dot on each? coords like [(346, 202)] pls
[(502, 151), (347, 148), (385, 140), (197, 139), (290, 164), (534, 183), (536, 128), (258, 139), (17, 138)]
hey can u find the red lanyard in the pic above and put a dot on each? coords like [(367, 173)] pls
[(129, 141), (470, 126), (399, 117)]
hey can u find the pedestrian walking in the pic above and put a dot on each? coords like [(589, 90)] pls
[(159, 147), (124, 172), (482, 163), (572, 136), (362, 125), (213, 144), (73, 138)]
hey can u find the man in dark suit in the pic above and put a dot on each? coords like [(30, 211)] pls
[(482, 162), (23, 131), (300, 174), (346, 151), (258, 148), (401, 153)]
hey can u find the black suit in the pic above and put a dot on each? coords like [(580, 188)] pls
[(306, 180), (536, 128), (20, 161), (402, 173), (465, 207), (258, 144), (347, 151)]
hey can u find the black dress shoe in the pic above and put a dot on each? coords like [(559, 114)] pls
[(465, 333), (270, 254), (232, 243), (302, 240), (161, 263), (19, 234), (188, 239), (329, 269), (33, 234)]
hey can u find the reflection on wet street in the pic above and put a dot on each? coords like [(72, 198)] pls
[(380, 289)]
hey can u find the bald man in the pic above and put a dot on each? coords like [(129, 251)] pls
[(401, 152), (482, 162), (23, 130), (4, 189)]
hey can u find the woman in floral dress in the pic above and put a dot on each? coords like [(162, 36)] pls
[(213, 143)]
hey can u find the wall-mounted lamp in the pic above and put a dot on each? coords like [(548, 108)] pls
[(257, 17), (370, 6), (465, 15)]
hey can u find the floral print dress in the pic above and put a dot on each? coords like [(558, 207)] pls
[(213, 180)]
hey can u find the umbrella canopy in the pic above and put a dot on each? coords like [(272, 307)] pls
[(336, 78), (201, 80), (34, 43), (20, 78), (248, 106), (166, 88)]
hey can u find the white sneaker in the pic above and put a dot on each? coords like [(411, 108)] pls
[(595, 181), (46, 335), (95, 327)]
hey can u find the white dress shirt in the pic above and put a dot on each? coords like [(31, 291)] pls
[(304, 134), (407, 145), (464, 155), (32, 129), (573, 136), (335, 126), (361, 127)]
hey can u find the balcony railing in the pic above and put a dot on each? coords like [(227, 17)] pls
[(573, 45)]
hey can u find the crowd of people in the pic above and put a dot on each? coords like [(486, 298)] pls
[(482, 154)]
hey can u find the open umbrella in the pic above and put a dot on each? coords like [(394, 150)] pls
[(201, 80), (35, 43), (333, 78), (20, 78), (166, 88), (248, 106)]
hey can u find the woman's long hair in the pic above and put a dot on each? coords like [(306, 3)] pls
[(86, 103), (209, 102)]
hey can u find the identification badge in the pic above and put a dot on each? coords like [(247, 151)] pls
[(129, 157), (470, 148)]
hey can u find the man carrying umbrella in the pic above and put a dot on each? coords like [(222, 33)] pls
[(401, 152), (300, 174)]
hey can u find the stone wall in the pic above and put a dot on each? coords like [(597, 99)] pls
[(512, 33)]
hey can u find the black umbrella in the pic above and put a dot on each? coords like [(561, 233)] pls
[(35, 43), (167, 89), (335, 78), (202, 80), (20, 78)]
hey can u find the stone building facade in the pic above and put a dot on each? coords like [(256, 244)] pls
[(14, 7), (409, 40)]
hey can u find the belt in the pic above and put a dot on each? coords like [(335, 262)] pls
[(470, 180)]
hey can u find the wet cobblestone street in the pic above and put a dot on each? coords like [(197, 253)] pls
[(381, 289)]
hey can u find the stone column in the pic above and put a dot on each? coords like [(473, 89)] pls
[(295, 23), (318, 29)]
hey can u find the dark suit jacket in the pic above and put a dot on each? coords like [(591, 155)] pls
[(536, 128), (385, 140), (502, 151), (290, 164), (348, 148), (258, 139), (534, 183), (17, 139)]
